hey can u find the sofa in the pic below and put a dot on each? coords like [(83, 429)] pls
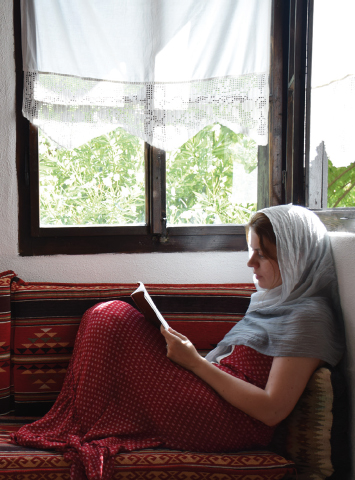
[(38, 325)]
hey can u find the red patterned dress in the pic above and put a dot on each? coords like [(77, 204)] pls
[(122, 393)]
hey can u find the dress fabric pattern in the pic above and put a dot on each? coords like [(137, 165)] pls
[(122, 393)]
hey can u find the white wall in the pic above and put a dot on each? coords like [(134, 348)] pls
[(150, 268)]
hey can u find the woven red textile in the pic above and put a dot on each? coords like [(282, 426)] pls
[(5, 341), (121, 393)]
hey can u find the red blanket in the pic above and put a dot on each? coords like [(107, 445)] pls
[(122, 393)]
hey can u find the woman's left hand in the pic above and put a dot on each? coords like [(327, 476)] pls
[(180, 350)]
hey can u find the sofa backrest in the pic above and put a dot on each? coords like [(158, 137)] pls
[(5, 341), (45, 318)]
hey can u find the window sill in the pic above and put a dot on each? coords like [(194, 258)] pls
[(178, 239), (338, 219)]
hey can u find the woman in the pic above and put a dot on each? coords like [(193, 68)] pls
[(130, 387)]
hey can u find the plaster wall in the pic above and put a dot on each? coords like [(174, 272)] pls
[(149, 268)]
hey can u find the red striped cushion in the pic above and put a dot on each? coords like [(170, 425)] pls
[(47, 315), (5, 341)]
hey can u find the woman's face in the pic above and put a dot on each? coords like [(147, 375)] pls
[(266, 271)]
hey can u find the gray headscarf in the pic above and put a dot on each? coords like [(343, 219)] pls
[(302, 317)]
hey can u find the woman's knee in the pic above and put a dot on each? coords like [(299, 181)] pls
[(113, 311)]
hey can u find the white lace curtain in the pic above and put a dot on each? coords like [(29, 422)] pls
[(161, 69)]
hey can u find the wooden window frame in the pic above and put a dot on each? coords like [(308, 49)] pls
[(155, 236), (295, 97), (296, 117)]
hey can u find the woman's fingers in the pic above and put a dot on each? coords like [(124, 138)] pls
[(180, 349), (172, 333)]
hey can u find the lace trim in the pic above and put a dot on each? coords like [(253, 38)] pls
[(73, 110)]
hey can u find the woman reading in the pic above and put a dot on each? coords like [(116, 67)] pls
[(130, 386)]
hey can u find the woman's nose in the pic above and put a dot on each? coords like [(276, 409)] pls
[(251, 261)]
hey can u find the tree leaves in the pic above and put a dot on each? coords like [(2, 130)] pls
[(102, 182), (341, 183), (200, 178)]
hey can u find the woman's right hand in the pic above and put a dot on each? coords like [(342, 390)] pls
[(180, 350)]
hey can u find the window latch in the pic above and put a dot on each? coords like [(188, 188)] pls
[(284, 177), (163, 237)]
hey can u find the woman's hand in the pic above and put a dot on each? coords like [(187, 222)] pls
[(180, 350)]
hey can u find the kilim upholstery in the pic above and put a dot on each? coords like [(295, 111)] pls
[(46, 318), (5, 341), (21, 463), (38, 326)]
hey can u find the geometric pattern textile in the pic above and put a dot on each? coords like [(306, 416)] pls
[(202, 312), (46, 317), (315, 435), (311, 422), (122, 394), (5, 341), (29, 464)]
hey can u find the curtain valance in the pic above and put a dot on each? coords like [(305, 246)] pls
[(160, 69)]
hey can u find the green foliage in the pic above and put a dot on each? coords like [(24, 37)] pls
[(341, 183), (200, 178), (102, 182)]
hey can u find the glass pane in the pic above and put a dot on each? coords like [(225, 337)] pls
[(332, 106), (212, 179), (99, 183)]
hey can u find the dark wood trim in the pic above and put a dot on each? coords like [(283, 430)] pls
[(34, 178), (93, 231), (288, 178), (263, 177), (207, 230), (295, 172), (291, 41), (158, 191), (289, 142), (111, 230), (136, 244), (148, 192), (275, 116), (298, 186), (22, 144), (308, 83)]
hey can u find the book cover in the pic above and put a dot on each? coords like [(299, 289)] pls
[(146, 306)]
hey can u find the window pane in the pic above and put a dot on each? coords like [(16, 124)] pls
[(332, 105), (99, 183), (212, 179)]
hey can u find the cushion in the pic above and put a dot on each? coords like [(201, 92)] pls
[(317, 427), (46, 317), (5, 341), (20, 462)]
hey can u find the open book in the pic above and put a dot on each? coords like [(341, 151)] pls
[(146, 305)]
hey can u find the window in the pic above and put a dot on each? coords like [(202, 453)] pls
[(210, 180), (157, 222), (331, 102)]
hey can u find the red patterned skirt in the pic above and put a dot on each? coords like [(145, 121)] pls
[(122, 393)]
